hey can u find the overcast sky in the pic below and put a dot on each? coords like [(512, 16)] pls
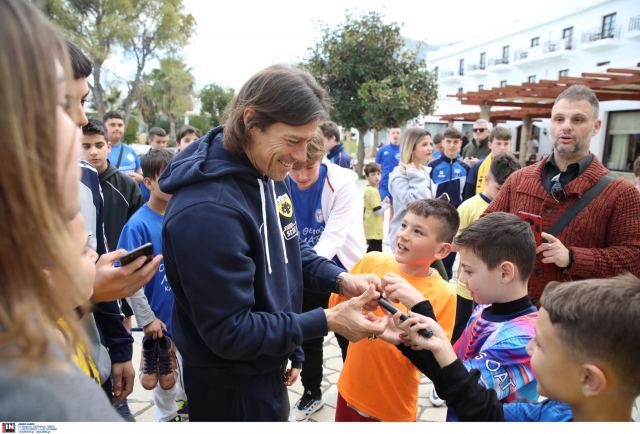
[(235, 39)]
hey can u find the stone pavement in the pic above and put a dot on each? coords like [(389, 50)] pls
[(141, 400)]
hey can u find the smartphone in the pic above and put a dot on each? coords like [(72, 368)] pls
[(535, 221), (143, 250), (389, 307)]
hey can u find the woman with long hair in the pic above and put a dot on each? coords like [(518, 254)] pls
[(45, 268)]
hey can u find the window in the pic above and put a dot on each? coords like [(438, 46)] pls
[(483, 60), (608, 25), (567, 35), (461, 67), (505, 54), (503, 83), (480, 86), (531, 79), (535, 41), (563, 73), (622, 142), (460, 90)]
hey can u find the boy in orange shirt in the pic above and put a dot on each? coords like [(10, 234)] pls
[(377, 383)]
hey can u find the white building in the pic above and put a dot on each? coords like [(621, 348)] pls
[(587, 36)]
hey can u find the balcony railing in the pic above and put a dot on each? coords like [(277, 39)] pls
[(599, 34), (520, 55), (498, 61), (556, 45), (445, 74), (634, 23)]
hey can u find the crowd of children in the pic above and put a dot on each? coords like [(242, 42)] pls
[(314, 249)]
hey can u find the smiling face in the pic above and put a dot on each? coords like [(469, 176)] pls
[(422, 151), (417, 240), (95, 150), (274, 150), (573, 124)]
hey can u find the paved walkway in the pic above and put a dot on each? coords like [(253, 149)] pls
[(141, 400)]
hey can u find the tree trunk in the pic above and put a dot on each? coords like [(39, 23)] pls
[(525, 135), (376, 143), (97, 90), (133, 93), (172, 128), (360, 153)]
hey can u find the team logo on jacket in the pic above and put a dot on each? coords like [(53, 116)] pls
[(285, 207), (319, 217)]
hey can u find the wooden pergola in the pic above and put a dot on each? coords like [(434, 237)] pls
[(535, 100)]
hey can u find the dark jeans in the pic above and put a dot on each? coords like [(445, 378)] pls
[(464, 308), (215, 397), (311, 374), (374, 246)]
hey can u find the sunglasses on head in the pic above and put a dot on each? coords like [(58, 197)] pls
[(479, 130)]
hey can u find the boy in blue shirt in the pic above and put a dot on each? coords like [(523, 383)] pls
[(153, 305), (388, 158), (121, 156)]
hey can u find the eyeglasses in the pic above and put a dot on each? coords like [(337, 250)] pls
[(556, 190), (479, 130)]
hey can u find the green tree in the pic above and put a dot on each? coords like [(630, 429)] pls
[(214, 99), (373, 82), (172, 90), (142, 29)]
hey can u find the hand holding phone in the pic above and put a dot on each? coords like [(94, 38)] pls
[(144, 250), (535, 221), (389, 307)]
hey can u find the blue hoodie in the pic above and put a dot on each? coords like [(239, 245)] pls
[(237, 287)]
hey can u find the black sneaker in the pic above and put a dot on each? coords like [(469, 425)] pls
[(306, 406)]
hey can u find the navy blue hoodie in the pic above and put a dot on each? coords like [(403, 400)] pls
[(237, 287)]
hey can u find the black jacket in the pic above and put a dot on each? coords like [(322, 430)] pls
[(122, 198)]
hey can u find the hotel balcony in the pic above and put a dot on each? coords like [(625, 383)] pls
[(634, 28), (599, 38), (499, 64), (476, 70)]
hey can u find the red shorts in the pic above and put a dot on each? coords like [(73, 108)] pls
[(344, 413)]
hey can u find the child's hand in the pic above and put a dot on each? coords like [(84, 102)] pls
[(438, 344), (391, 334), (154, 329), (291, 376), (398, 290)]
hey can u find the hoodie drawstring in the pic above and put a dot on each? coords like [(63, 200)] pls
[(284, 247), (264, 225)]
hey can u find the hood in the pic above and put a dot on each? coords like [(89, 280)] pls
[(202, 160), (111, 170)]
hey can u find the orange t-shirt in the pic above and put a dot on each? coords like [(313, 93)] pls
[(376, 378)]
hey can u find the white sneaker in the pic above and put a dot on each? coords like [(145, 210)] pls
[(435, 399), (305, 407)]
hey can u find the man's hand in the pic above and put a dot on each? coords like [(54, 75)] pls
[(438, 344), (154, 329), (353, 285), (398, 290), (122, 374), (292, 375), (348, 319), (112, 283), (137, 177), (553, 252)]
